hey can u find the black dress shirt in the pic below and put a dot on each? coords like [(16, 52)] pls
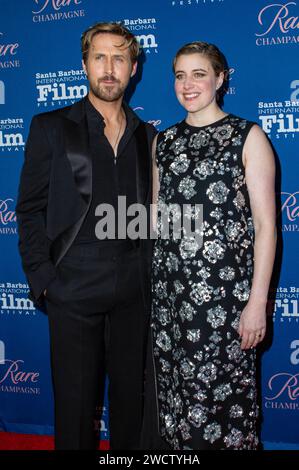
[(111, 176)]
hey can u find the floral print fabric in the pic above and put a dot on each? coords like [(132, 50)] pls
[(205, 383)]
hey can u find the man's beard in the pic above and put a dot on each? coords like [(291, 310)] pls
[(105, 92)]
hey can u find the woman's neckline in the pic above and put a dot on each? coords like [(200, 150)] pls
[(207, 125)]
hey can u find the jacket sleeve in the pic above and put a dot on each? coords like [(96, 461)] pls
[(34, 246), (151, 133)]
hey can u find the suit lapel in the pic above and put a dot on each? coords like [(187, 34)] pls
[(76, 143), (78, 154), (77, 149)]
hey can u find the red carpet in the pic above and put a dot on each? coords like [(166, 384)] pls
[(12, 441)]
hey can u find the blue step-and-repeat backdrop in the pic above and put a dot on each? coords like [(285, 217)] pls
[(40, 70)]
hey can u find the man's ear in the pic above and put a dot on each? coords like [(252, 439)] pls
[(84, 67), (134, 69)]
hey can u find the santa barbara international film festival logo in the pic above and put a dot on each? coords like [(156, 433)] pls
[(285, 304), (11, 135), (14, 300), (278, 24), (283, 387), (60, 88), (14, 378), (8, 53), (280, 117), (145, 30), (56, 10)]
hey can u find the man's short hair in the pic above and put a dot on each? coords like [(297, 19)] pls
[(110, 28)]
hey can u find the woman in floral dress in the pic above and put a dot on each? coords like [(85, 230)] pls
[(209, 299)]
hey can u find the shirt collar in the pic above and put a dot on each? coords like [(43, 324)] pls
[(95, 117)]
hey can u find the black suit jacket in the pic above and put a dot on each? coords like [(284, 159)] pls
[(55, 192)]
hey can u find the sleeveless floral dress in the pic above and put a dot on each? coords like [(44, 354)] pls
[(205, 384)]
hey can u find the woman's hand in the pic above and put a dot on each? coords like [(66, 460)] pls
[(252, 327)]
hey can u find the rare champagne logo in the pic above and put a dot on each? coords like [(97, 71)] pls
[(56, 10), (279, 24)]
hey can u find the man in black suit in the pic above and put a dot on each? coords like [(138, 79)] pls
[(96, 292)]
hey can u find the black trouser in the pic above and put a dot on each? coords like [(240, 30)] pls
[(97, 323)]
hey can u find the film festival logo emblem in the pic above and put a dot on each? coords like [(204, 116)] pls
[(58, 88), (284, 304), (8, 52), (13, 379), (11, 138), (14, 301), (280, 116), (278, 17), (56, 10), (147, 42)]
